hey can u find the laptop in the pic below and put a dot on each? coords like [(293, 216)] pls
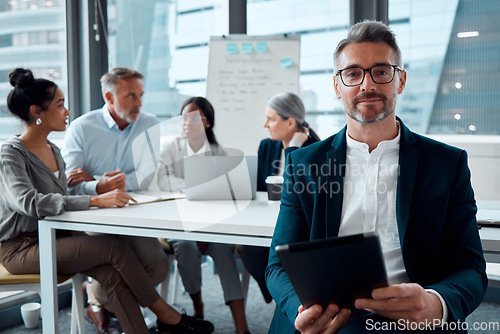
[(220, 177), (334, 270)]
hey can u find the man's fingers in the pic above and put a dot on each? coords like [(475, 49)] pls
[(403, 290), (112, 173), (71, 182), (118, 178), (412, 302), (312, 320), (338, 322), (307, 316), (386, 306)]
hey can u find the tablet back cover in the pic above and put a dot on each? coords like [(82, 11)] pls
[(335, 270)]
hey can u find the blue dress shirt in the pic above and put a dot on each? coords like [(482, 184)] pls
[(95, 143)]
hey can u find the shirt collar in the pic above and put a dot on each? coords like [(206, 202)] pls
[(110, 122), (203, 149), (383, 146), (108, 119)]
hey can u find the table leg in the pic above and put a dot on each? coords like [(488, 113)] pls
[(48, 277)]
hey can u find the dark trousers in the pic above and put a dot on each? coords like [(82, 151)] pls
[(255, 259), (108, 259)]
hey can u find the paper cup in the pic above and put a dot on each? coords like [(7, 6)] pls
[(274, 185), (30, 313)]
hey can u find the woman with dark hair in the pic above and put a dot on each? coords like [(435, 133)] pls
[(197, 123), (288, 131), (198, 138), (206, 110), (33, 185)]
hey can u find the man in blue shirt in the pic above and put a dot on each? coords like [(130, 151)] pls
[(98, 154)]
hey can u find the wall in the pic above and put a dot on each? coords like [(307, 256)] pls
[(484, 162)]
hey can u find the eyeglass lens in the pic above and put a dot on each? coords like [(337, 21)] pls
[(380, 74), (195, 119)]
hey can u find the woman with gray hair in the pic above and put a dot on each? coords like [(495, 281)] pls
[(288, 131)]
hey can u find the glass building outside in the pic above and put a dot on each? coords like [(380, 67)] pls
[(167, 41), (451, 51), (32, 35)]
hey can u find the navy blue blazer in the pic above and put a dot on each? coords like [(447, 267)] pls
[(269, 157), (435, 210)]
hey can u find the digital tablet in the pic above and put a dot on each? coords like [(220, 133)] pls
[(335, 270)]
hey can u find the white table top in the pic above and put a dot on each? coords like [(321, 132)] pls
[(490, 238), (255, 218), (239, 222), (488, 211)]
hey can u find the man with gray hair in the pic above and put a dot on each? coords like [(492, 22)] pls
[(413, 192), (98, 154)]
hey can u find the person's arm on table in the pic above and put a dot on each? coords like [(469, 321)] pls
[(77, 176), (108, 182), (112, 198)]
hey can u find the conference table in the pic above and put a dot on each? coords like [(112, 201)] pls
[(233, 222), (243, 222)]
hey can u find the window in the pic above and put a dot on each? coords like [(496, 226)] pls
[(451, 51), (32, 35), (167, 41), (321, 24)]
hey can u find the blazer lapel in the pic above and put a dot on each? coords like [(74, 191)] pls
[(61, 180), (335, 159), (408, 160), (275, 155)]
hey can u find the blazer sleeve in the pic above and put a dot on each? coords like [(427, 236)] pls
[(291, 226), (464, 288), (22, 197)]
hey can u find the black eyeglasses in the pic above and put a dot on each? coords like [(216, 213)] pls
[(381, 74)]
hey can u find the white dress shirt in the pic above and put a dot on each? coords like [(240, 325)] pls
[(369, 203), (170, 173), (205, 148)]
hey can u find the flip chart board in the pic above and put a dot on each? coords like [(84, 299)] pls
[(243, 73)]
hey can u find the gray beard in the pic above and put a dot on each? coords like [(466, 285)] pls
[(356, 115)]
